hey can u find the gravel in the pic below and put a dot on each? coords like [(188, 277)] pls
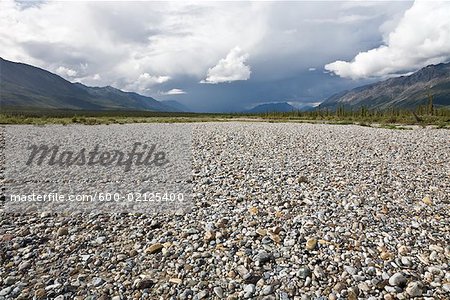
[(280, 211)]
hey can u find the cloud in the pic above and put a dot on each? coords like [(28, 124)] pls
[(174, 92), (311, 69), (121, 41), (422, 37), (144, 82), (345, 19), (230, 68), (66, 72)]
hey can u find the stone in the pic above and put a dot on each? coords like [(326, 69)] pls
[(249, 290), (304, 272), (10, 280), (350, 270), (5, 291), (398, 279), (414, 289), (403, 250), (338, 287), (62, 231), (427, 200), (201, 295), (266, 290), (209, 235), (40, 294), (175, 280), (155, 248), (352, 293), (261, 231), (24, 266), (262, 257), (97, 281), (311, 244), (144, 283), (218, 291)]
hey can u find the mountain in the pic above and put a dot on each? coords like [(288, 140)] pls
[(271, 107), (177, 106), (400, 92), (25, 86)]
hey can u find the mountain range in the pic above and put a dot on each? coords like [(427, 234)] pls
[(399, 92), (26, 86)]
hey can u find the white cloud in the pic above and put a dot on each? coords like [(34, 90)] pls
[(231, 68), (66, 72), (345, 19), (311, 69), (174, 92), (422, 37), (144, 82)]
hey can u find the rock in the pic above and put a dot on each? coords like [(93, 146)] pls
[(24, 266), (338, 287), (403, 250), (249, 290), (155, 248), (40, 294), (144, 283), (266, 290), (209, 235), (302, 179), (242, 271), (201, 295), (175, 280), (364, 287), (385, 255), (262, 257), (427, 200), (62, 231), (350, 270), (398, 279), (414, 289), (311, 244), (10, 280), (352, 293), (304, 272), (97, 281), (6, 291), (261, 231), (218, 291)]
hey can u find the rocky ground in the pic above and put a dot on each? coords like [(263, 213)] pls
[(281, 211)]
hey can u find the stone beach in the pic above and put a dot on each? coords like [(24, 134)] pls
[(280, 211)]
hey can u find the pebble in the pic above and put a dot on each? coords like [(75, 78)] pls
[(262, 257), (311, 244), (249, 290), (304, 272), (398, 279), (266, 290), (218, 291), (62, 231), (155, 248), (414, 289), (249, 228)]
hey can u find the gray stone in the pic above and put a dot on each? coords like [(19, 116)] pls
[(398, 279), (414, 289)]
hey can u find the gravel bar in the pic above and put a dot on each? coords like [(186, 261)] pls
[(280, 211)]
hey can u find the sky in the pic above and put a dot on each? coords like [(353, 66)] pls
[(227, 56)]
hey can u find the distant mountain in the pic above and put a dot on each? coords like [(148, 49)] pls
[(25, 86), (177, 106), (271, 107), (400, 92)]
